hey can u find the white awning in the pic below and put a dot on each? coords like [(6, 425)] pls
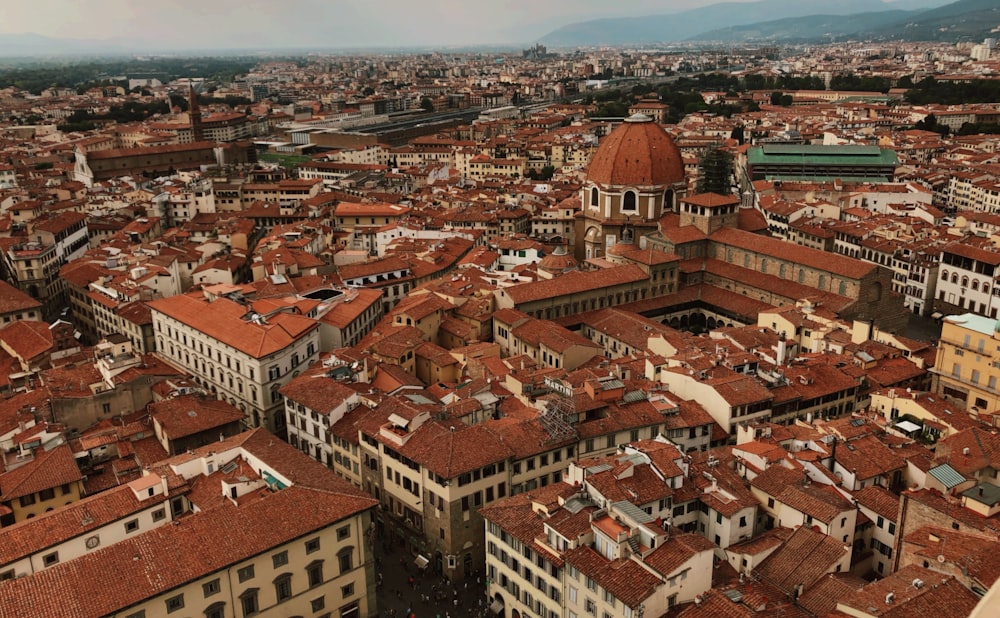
[(496, 606), (421, 561), (937, 315), (907, 426)]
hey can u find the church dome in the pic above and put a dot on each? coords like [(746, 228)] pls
[(637, 153), (558, 261)]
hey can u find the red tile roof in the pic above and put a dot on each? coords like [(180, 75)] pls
[(636, 154), (188, 415), (13, 299), (222, 319), (49, 469), (626, 579), (195, 547), (575, 282), (805, 557), (813, 258), (940, 595)]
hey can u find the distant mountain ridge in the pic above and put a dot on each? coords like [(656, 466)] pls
[(811, 28), (690, 24), (961, 20)]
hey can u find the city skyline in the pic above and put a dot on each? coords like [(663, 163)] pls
[(185, 24)]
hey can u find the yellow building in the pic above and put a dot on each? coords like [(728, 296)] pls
[(49, 480), (237, 553), (968, 363)]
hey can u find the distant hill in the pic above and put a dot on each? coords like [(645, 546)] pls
[(808, 29), (962, 20), (965, 20), (689, 24)]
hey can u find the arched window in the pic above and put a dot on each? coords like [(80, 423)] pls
[(763, 265), (593, 197), (668, 200), (965, 282), (843, 288), (781, 271), (822, 282), (629, 202), (954, 277), (802, 275), (975, 285)]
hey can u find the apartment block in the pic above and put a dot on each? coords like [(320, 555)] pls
[(968, 363), (239, 350), (230, 548)]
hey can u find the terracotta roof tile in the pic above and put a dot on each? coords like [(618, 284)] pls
[(636, 154), (49, 469)]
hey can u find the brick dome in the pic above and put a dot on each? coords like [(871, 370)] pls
[(637, 153)]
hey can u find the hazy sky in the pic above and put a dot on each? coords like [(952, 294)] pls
[(312, 23)]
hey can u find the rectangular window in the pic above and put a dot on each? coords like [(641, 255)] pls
[(131, 526), (159, 514), (245, 573), (175, 603), (347, 591), (279, 559), (312, 545), (318, 603), (346, 562), (50, 559), (343, 532), (315, 573), (212, 587)]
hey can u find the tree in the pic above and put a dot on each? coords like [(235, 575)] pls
[(547, 172), (426, 104), (777, 98), (715, 172), (737, 134)]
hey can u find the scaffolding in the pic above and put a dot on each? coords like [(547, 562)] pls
[(554, 421)]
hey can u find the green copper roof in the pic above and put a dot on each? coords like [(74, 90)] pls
[(810, 154), (849, 179), (971, 321)]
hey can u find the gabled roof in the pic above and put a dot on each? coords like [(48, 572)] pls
[(49, 469), (939, 595), (803, 559), (194, 547)]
